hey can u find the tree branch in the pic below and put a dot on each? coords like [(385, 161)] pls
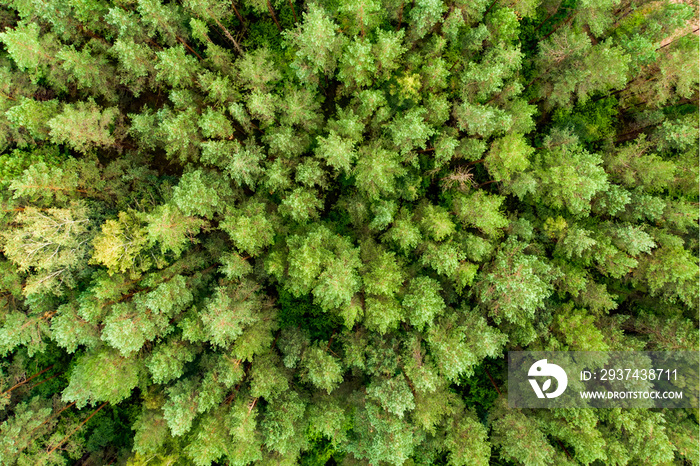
[(229, 36), (188, 47), (26, 380), (76, 429), (493, 382), (291, 5), (272, 13)]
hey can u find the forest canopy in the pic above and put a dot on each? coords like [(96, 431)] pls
[(287, 232)]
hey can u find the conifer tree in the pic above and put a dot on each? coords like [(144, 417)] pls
[(309, 232)]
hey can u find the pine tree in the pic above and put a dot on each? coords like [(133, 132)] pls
[(281, 232)]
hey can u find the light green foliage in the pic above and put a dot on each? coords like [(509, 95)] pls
[(268, 379), (127, 328), (316, 44), (419, 368), (308, 232), (328, 417), (423, 301), (324, 265), (632, 167), (179, 131), (467, 442), (250, 228), (383, 213), (452, 25), (83, 126), (574, 68), (339, 281), (432, 408), (228, 311), (180, 409), (388, 50), (394, 395), (382, 436), (69, 330), (481, 120), (171, 229), (168, 297), (337, 151), (409, 86), (482, 211), (424, 16), (515, 286), (405, 232), (53, 244), (575, 242), (282, 427), (410, 130), (436, 223), (384, 276), (168, 360), (347, 124), (508, 156), (445, 258), (376, 171), (160, 18), (291, 342), (530, 448), (262, 105), (484, 79), (134, 60), (357, 67), (628, 447), (320, 368), (219, 88), (214, 124), (445, 148), (210, 441), (33, 116), (608, 66), (300, 107), (90, 71), (28, 49), (120, 244), (242, 423), (579, 330), (102, 375), (669, 272), (240, 163), (382, 314), (256, 70), (300, 205), (436, 75), (21, 329), (572, 177), (363, 15), (234, 266), (28, 417), (631, 239), (175, 67), (310, 174), (462, 339), (198, 193), (44, 182), (577, 428)]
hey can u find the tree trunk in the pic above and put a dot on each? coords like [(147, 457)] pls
[(272, 13)]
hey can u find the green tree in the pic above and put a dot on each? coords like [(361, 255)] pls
[(303, 232), (84, 126)]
